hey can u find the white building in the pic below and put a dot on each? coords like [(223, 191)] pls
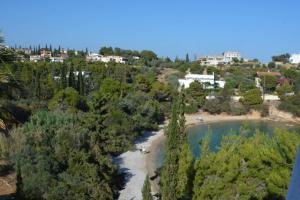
[(93, 57), (207, 80), (35, 58), (229, 56), (106, 59), (295, 58), (57, 59), (211, 60), (226, 57)]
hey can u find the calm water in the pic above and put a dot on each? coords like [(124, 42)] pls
[(218, 130)]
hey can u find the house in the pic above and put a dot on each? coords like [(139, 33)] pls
[(93, 57), (45, 53), (57, 59), (260, 75), (229, 56), (117, 59), (226, 57), (84, 74), (35, 58), (106, 59), (295, 58), (25, 51), (211, 60), (208, 81)]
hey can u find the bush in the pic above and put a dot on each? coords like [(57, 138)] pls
[(213, 106), (191, 108), (68, 99), (252, 98), (236, 108), (264, 111)]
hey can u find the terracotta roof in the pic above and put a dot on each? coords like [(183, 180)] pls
[(268, 74)]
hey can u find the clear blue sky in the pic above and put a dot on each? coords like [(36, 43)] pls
[(257, 28)]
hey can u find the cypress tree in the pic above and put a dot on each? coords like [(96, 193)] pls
[(63, 78), (80, 83), (72, 77), (187, 58), (170, 165), (185, 159), (146, 191)]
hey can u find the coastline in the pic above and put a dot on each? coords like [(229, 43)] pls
[(137, 165), (191, 120)]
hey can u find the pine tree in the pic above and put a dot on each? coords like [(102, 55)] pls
[(50, 48), (170, 164), (80, 83), (146, 191), (72, 77), (63, 78)]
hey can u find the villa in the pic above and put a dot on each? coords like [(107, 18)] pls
[(106, 59), (226, 57), (295, 58), (35, 58), (208, 81), (57, 59)]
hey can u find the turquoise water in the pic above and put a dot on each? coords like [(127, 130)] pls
[(218, 130)]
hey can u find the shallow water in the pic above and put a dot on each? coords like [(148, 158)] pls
[(218, 130)]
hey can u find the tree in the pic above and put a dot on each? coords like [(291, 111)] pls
[(68, 99), (196, 92), (281, 58), (271, 65), (238, 170), (80, 82), (148, 55), (185, 172), (63, 77), (146, 191), (187, 59), (252, 98), (1, 39), (270, 83), (170, 164), (284, 89), (62, 162), (71, 77), (106, 51)]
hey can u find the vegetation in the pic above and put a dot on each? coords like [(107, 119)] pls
[(237, 170), (147, 189), (63, 122)]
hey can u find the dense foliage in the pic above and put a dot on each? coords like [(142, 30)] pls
[(257, 167)]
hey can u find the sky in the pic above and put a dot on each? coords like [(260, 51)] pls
[(256, 28)]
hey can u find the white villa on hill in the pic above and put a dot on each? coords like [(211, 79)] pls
[(207, 80), (295, 58), (226, 57), (98, 57)]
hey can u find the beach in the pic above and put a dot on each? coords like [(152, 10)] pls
[(138, 165)]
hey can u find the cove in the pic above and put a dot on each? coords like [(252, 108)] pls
[(220, 129)]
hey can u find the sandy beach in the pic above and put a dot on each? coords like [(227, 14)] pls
[(137, 164), (134, 164)]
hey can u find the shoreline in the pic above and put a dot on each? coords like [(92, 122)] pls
[(137, 164), (191, 120)]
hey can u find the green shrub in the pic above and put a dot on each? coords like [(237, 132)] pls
[(68, 99)]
